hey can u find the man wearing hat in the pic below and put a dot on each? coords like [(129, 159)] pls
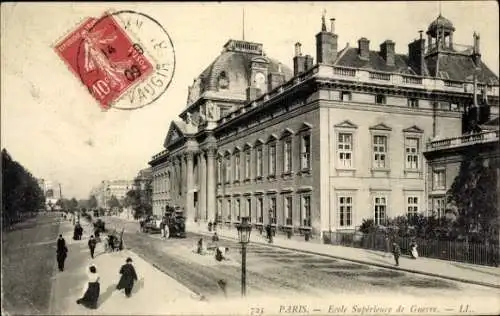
[(128, 277)]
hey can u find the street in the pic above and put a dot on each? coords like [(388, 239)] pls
[(28, 265), (275, 272)]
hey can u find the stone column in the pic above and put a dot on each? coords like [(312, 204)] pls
[(203, 186), (189, 185), (211, 183)]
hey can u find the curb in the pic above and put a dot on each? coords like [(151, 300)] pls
[(497, 286)]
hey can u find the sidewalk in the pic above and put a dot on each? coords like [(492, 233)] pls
[(456, 271), (154, 293)]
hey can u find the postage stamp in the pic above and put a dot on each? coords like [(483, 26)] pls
[(126, 59)]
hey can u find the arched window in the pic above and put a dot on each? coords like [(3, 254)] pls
[(223, 80)]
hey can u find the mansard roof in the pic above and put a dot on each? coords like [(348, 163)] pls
[(447, 65)]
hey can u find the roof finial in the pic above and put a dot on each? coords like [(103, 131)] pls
[(243, 24), (323, 24), (440, 8)]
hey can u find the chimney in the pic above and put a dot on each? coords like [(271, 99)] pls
[(298, 60), (326, 45), (387, 52), (416, 55), (309, 62), (298, 49), (364, 48), (275, 79), (476, 51)]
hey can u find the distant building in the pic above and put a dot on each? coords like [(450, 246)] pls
[(108, 188), (52, 191), (324, 146)]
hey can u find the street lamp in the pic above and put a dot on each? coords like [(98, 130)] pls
[(244, 230)]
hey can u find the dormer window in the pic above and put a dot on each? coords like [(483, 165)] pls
[(223, 81)]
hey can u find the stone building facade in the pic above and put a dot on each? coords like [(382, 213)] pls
[(324, 146)]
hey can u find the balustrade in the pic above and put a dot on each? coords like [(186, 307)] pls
[(464, 140)]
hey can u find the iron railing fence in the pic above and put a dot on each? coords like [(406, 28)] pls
[(459, 251)]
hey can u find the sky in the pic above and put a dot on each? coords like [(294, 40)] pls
[(51, 124)]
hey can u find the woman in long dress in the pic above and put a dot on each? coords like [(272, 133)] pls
[(129, 276), (91, 290), (413, 249)]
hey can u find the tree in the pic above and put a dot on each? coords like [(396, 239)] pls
[(113, 202), (474, 194), (21, 194), (92, 202)]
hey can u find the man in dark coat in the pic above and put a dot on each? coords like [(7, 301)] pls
[(396, 251), (92, 244), (62, 252), (128, 277)]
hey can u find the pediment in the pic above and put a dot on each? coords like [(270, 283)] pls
[(272, 138), (346, 124), (305, 127), (260, 60), (381, 127), (286, 132), (247, 146), (413, 129), (259, 142), (173, 136), (237, 149)]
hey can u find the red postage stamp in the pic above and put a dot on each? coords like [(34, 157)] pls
[(102, 55)]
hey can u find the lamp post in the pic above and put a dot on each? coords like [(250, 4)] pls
[(244, 230)]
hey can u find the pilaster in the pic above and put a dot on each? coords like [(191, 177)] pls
[(189, 185), (211, 183)]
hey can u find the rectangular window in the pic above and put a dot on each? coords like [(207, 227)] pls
[(259, 162), (260, 210), (345, 96), (380, 99), (272, 207), (229, 210), (219, 171), (237, 167), (272, 159), (247, 164), (305, 210), (345, 211), (439, 179), (413, 103), (228, 169), (238, 210), (439, 207), (218, 217), (379, 151), (412, 153), (345, 150), (249, 208), (287, 155), (412, 206), (288, 210), (380, 210), (305, 152)]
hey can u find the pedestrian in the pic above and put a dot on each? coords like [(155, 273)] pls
[(162, 227), (396, 251), (75, 232), (387, 246), (215, 238), (413, 249), (92, 243), (62, 252), (128, 277), (91, 289)]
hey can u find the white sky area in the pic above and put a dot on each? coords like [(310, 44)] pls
[(53, 126)]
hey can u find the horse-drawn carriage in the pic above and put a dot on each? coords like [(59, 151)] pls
[(172, 222)]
